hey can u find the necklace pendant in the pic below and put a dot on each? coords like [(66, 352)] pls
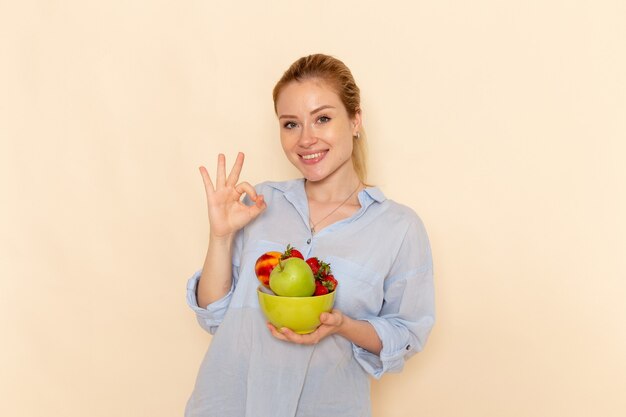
[(312, 225)]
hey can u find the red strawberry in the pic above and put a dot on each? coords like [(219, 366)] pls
[(320, 289), (325, 282), (292, 252), (323, 271), (330, 283), (314, 263)]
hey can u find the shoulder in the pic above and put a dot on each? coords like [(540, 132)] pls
[(409, 239), (407, 220), (405, 212), (392, 222), (394, 212)]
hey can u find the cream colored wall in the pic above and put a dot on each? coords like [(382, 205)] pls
[(501, 123)]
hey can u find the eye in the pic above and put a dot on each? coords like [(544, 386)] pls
[(323, 119), (290, 125)]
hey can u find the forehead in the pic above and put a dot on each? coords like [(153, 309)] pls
[(306, 95)]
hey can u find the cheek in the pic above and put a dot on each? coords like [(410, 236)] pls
[(347, 152), (288, 144), (286, 141)]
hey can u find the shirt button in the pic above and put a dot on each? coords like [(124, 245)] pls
[(308, 241), (408, 347)]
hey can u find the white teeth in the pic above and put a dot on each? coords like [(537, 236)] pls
[(312, 156)]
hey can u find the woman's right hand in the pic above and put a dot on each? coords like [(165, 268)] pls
[(227, 213)]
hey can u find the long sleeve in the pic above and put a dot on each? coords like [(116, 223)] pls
[(210, 317), (408, 312)]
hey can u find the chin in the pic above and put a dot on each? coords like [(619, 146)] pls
[(312, 176)]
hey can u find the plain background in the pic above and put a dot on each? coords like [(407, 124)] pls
[(502, 123)]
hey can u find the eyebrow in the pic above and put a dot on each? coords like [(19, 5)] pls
[(289, 116)]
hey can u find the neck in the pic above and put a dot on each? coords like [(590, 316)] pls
[(332, 190)]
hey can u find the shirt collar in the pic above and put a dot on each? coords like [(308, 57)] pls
[(294, 192), (376, 194), (295, 188)]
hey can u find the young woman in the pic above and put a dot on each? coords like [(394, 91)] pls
[(378, 251)]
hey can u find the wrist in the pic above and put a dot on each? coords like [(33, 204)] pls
[(362, 333), (226, 239), (345, 326)]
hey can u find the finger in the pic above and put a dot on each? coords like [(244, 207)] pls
[(258, 199), (206, 178), (302, 339), (332, 320), (220, 178), (257, 208), (290, 335), (245, 187), (332, 317), (259, 205), (233, 177), (275, 332)]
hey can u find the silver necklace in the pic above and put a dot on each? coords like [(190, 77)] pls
[(312, 225)]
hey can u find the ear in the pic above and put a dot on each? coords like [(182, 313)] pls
[(357, 121)]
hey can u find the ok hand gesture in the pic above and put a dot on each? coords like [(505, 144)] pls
[(227, 213)]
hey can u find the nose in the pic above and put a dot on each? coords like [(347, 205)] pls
[(307, 136)]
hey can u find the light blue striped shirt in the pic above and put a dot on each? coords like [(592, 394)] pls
[(382, 260)]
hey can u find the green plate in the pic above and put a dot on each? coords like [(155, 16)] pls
[(300, 314)]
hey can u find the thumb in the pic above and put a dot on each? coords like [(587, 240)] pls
[(258, 207), (327, 318)]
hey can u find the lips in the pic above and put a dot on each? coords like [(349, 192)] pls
[(311, 158)]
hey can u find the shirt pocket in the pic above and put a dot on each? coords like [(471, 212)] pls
[(252, 251), (248, 281), (359, 289)]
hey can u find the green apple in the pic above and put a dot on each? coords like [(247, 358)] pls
[(292, 277)]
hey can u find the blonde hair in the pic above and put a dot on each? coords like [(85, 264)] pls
[(338, 76)]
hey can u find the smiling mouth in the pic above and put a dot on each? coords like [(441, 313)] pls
[(313, 156)]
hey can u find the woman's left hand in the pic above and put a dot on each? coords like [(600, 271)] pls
[(331, 323)]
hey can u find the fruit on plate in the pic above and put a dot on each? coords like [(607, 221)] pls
[(266, 262), (292, 252), (301, 290), (314, 264), (329, 282), (264, 265), (320, 289), (325, 282), (292, 277)]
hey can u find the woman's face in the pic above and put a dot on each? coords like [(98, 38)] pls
[(315, 130)]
